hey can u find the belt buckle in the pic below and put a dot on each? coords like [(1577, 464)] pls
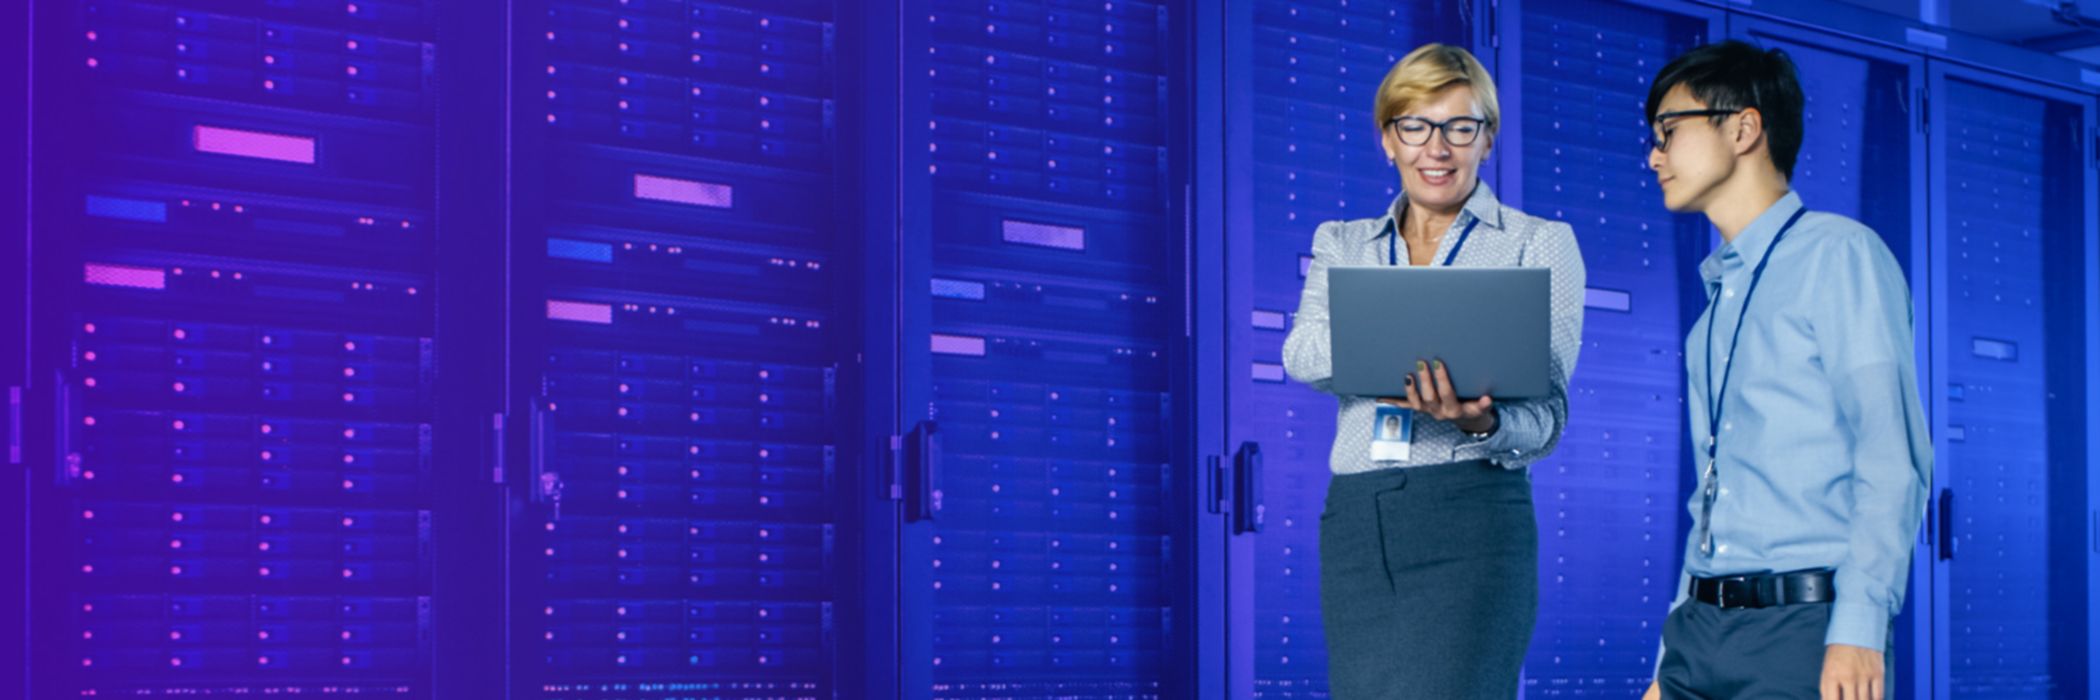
[(1721, 590)]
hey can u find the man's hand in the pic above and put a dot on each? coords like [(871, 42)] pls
[(1654, 692), (1851, 673), (1431, 394)]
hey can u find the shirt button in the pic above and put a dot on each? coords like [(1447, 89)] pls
[(1728, 426), (1729, 292), (1724, 490), (1722, 549)]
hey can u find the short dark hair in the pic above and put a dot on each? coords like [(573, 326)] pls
[(1736, 75)]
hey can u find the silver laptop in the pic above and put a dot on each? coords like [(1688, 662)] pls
[(1490, 326)]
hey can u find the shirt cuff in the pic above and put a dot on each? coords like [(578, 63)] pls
[(1858, 624), (1511, 437)]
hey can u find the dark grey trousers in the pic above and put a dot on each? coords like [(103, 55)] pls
[(1428, 582), (1772, 652)]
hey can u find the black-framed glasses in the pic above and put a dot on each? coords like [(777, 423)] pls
[(1458, 131), (1658, 138)]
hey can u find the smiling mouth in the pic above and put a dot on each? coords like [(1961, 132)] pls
[(1445, 172)]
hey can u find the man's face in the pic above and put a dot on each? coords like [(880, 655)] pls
[(1692, 153)]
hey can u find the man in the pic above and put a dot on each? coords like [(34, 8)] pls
[(1811, 446)]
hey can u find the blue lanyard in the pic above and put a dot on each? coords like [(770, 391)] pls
[(1713, 410), (1392, 245)]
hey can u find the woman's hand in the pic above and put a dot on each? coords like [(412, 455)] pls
[(1430, 393)]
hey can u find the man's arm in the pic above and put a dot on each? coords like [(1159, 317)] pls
[(1864, 337)]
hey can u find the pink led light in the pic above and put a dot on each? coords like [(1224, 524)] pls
[(584, 312), (106, 275), (958, 345), (253, 144), (674, 190)]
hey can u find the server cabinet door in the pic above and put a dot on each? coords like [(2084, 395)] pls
[(1302, 149), (1862, 156), (1610, 498), (2013, 322), (240, 310), (1043, 288), (14, 325), (685, 268)]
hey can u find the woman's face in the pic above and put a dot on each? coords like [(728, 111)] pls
[(1436, 174)]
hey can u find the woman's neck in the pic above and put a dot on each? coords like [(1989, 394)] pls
[(1423, 224)]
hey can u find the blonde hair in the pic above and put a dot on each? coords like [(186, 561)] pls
[(1428, 70)]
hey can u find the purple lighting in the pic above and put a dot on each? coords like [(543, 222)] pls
[(252, 144), (107, 275), (579, 311), (958, 345), (1046, 235), (676, 191)]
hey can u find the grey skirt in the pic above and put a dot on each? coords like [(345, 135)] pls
[(1428, 581)]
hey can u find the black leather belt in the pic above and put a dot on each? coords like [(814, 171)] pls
[(1765, 590)]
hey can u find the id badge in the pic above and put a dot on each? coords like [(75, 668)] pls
[(1392, 435)]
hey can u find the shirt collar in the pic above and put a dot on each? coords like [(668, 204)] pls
[(1481, 205), (1752, 243)]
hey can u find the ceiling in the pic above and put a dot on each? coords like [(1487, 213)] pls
[(2029, 23)]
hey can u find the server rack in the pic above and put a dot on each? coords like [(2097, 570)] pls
[(2012, 315), (1043, 299), (685, 448), (238, 348)]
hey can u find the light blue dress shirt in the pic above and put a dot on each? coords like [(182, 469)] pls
[(1823, 456)]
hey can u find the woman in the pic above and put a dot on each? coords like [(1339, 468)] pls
[(1428, 564)]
